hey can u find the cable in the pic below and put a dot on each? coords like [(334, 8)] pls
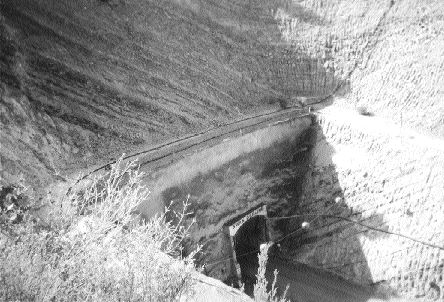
[(333, 268), (387, 232), (300, 228), (329, 216), (289, 109), (322, 100), (361, 224), (367, 260), (279, 240)]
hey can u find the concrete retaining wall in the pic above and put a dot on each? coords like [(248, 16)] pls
[(227, 178)]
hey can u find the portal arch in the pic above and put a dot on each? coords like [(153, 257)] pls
[(247, 233)]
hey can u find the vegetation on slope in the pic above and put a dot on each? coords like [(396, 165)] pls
[(92, 246), (89, 248)]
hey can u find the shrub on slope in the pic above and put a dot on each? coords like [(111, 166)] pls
[(92, 249)]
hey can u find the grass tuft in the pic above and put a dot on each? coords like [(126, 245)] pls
[(260, 291), (92, 246)]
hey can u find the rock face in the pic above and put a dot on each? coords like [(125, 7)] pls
[(387, 178), (387, 53), (83, 82), (383, 159)]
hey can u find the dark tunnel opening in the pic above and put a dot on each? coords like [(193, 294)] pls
[(247, 243)]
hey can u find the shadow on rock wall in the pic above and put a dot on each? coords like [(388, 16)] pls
[(323, 205), (272, 176)]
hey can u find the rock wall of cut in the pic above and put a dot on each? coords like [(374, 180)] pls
[(389, 178), (386, 53)]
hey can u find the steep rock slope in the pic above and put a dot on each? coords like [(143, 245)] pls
[(82, 82), (85, 80), (387, 227), (387, 53)]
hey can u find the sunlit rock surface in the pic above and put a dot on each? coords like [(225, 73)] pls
[(83, 81)]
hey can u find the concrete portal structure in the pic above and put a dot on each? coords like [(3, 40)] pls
[(229, 180), (247, 233)]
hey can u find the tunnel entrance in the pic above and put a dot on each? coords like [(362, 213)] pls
[(247, 234), (246, 246)]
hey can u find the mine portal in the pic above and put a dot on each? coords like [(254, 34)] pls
[(247, 233)]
